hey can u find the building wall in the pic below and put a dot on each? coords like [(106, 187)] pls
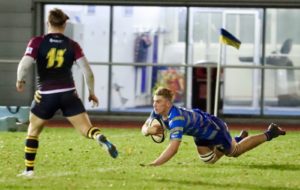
[(15, 27), (15, 31)]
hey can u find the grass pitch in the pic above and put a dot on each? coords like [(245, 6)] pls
[(66, 160)]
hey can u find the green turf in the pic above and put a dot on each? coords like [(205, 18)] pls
[(66, 160)]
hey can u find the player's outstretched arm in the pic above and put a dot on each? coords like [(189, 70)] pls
[(167, 154)]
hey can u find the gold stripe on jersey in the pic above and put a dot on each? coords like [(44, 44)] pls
[(178, 118), (176, 129), (212, 135)]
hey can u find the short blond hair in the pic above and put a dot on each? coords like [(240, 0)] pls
[(164, 92), (57, 17)]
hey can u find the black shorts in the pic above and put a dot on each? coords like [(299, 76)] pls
[(222, 141), (68, 102)]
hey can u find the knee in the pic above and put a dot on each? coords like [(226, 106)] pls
[(235, 152), (209, 158)]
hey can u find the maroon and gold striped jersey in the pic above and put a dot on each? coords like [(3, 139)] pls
[(55, 55)]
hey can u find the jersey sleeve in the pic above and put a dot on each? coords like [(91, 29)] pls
[(176, 125), (33, 46), (78, 51)]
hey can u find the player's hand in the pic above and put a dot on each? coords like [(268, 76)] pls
[(37, 96), (155, 130), (94, 99), (20, 85)]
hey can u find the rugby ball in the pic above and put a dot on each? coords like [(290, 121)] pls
[(158, 138)]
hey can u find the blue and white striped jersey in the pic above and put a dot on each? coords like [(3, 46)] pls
[(193, 122)]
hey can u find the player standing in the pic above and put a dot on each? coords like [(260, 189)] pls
[(55, 55), (210, 133)]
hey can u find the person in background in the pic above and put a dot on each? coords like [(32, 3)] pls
[(55, 54), (210, 133)]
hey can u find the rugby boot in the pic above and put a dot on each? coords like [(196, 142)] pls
[(274, 131), (26, 174), (109, 147)]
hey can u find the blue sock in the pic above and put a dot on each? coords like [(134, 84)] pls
[(238, 139)]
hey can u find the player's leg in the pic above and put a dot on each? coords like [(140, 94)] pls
[(40, 112), (31, 144), (217, 145), (253, 141), (43, 108), (247, 144), (82, 123), (209, 155), (74, 111)]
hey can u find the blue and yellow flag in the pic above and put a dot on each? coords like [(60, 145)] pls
[(229, 39)]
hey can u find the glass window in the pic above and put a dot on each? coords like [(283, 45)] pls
[(286, 18), (146, 36), (282, 92), (206, 24), (242, 96), (206, 52)]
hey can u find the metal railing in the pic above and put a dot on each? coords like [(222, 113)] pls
[(204, 64)]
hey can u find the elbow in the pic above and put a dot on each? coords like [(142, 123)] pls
[(90, 77)]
